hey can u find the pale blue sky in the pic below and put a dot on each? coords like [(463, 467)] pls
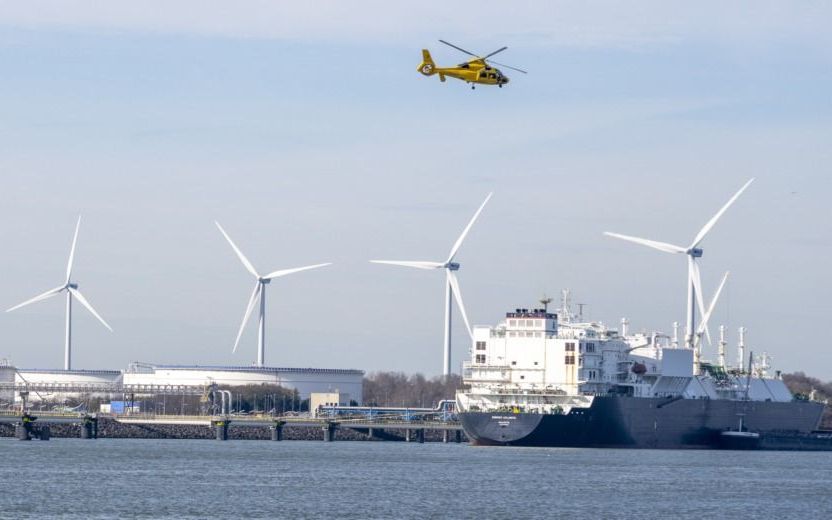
[(308, 133)]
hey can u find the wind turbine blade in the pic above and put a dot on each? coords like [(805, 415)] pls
[(468, 228), (707, 227), (85, 303), (458, 297), (707, 316), (284, 272), (712, 305), (249, 308), (661, 246), (72, 251), (48, 294), (240, 254), (699, 296), (416, 264)]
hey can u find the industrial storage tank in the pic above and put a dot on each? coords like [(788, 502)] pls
[(7, 371), (348, 382), (57, 384)]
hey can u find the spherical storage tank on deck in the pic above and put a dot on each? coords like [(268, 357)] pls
[(305, 380)]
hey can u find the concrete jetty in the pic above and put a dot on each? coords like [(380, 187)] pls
[(47, 425)]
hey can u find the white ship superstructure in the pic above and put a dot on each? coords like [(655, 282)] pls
[(533, 363)]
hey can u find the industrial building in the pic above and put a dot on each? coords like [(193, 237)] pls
[(7, 372), (55, 384), (57, 377), (347, 382)]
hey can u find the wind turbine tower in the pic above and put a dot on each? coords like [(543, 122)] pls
[(72, 291)]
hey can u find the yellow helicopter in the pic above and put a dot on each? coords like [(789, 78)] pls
[(479, 70)]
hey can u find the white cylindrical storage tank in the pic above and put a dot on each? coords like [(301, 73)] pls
[(7, 372)]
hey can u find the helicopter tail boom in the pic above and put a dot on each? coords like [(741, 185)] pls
[(427, 67)]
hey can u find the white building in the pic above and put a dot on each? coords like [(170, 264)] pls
[(347, 382), (56, 384)]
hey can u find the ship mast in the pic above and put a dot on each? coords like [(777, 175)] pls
[(565, 311), (741, 348), (722, 345)]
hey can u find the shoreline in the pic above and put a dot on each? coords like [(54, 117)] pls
[(111, 429)]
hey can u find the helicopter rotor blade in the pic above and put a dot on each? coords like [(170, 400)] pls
[(495, 52), (507, 66), (460, 49)]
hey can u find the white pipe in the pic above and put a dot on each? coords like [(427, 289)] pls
[(675, 334), (741, 347)]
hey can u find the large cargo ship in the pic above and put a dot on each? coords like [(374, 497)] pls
[(544, 378)]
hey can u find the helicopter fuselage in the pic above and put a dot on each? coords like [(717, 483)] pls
[(474, 71)]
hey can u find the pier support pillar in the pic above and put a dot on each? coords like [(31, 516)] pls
[(329, 432), (21, 432), (458, 437), (373, 433), (415, 435), (221, 430), (44, 432), (89, 428), (277, 431), (446, 436)]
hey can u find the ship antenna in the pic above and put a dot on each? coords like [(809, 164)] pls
[(581, 312), (545, 301)]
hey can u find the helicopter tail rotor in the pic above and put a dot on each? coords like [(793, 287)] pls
[(427, 66)]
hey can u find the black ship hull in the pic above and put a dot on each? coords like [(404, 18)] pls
[(631, 422)]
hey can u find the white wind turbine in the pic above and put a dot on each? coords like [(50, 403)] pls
[(71, 289), (693, 251), (259, 292), (451, 285)]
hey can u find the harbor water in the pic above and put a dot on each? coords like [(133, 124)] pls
[(114, 478)]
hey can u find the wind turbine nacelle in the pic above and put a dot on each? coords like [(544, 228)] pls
[(696, 252), (72, 285), (264, 280), (453, 266)]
